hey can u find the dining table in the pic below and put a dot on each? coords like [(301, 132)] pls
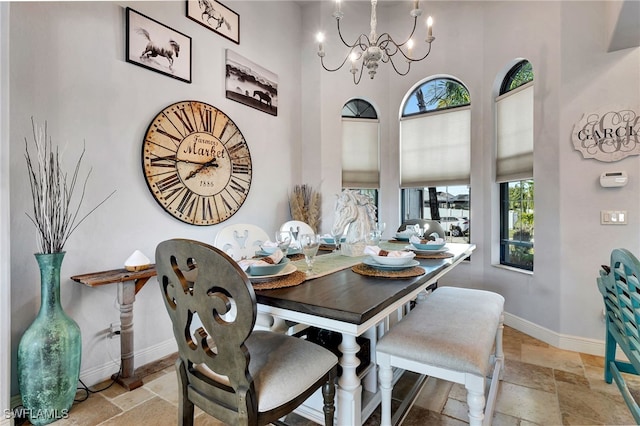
[(339, 297)]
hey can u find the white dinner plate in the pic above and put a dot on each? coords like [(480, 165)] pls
[(290, 251), (413, 249), (289, 269), (369, 261)]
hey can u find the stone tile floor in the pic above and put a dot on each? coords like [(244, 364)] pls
[(542, 386)]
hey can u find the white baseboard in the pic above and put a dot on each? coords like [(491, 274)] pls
[(98, 374), (561, 341)]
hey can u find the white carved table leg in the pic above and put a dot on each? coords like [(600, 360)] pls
[(349, 387)]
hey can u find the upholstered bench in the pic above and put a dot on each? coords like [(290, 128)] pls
[(454, 335)]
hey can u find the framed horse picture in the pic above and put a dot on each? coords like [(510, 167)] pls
[(215, 16), (250, 84), (157, 47)]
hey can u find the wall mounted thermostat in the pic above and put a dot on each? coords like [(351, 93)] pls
[(611, 179)]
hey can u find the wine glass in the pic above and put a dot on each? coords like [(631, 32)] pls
[(336, 234), (284, 239), (309, 243), (373, 237)]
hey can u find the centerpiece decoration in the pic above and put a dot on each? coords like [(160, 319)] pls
[(50, 349), (355, 213), (305, 205)]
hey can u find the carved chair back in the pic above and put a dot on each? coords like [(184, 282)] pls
[(240, 241)]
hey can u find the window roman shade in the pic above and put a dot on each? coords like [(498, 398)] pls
[(514, 156), (435, 148), (360, 157)]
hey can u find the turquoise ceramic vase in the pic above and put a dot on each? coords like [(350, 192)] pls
[(49, 351)]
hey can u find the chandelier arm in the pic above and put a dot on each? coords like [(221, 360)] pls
[(396, 68), (356, 43), (362, 45), (356, 82), (383, 44), (389, 38), (425, 55), (333, 69)]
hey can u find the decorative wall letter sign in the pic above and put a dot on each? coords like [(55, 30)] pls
[(607, 136)]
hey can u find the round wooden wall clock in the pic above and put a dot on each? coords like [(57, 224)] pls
[(196, 163)]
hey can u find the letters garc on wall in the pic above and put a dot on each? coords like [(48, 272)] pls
[(607, 136)]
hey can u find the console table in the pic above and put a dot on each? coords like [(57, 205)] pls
[(129, 284)]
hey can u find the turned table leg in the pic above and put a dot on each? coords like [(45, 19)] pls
[(349, 386), (126, 296)]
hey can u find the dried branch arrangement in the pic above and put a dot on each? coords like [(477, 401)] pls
[(54, 215), (305, 205)]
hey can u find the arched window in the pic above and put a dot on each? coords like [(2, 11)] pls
[(435, 139), (436, 94), (359, 108), (514, 166), (360, 145)]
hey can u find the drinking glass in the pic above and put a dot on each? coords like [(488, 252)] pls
[(337, 237), (373, 238), (380, 227), (284, 239), (309, 243)]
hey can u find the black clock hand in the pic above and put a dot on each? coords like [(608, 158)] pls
[(212, 163)]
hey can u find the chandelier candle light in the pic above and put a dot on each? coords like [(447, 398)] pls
[(372, 49)]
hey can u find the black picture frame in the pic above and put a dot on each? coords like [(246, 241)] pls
[(157, 47), (215, 16), (250, 84)]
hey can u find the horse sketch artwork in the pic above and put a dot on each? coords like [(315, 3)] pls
[(249, 83), (152, 49), (216, 17), (211, 13), (157, 47), (356, 213)]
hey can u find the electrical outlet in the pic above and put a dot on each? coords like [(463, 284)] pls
[(114, 330)]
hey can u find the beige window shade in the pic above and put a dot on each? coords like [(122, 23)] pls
[(435, 149), (360, 153), (514, 159)]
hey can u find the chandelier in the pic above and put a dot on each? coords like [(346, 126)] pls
[(368, 51)]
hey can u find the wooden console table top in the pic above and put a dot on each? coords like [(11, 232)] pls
[(94, 279)]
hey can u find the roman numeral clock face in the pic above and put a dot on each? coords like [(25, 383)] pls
[(196, 163)]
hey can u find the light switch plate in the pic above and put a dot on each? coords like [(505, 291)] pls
[(613, 217)]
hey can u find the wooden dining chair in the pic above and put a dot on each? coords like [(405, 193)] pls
[(239, 376), (240, 240)]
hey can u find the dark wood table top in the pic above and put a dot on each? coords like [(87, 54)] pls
[(349, 297)]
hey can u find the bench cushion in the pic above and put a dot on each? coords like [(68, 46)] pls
[(454, 328)]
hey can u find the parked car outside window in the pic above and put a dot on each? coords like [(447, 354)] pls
[(463, 224), (455, 226)]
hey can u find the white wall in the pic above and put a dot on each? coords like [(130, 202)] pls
[(68, 67), (476, 42)]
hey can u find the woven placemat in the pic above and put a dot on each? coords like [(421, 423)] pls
[(405, 242), (444, 255), (291, 280), (369, 271), (297, 256)]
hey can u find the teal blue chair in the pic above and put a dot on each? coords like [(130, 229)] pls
[(620, 287)]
